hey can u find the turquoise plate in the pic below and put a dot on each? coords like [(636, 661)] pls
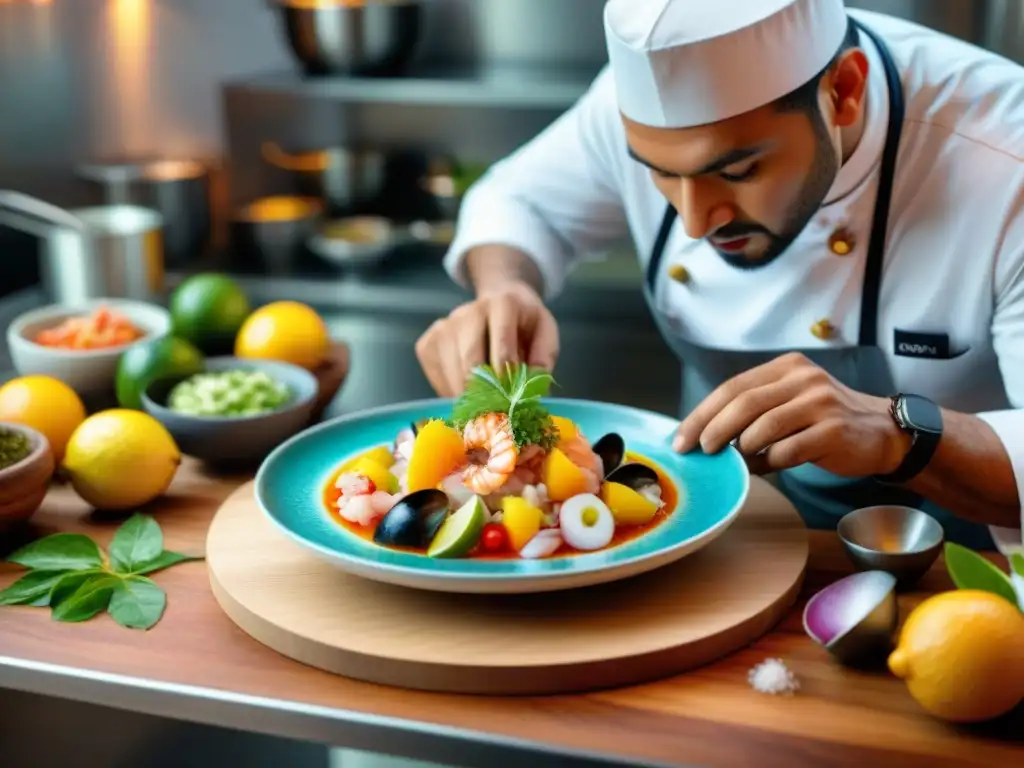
[(290, 481)]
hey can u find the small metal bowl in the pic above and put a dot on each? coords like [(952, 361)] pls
[(855, 618), (356, 241), (902, 541)]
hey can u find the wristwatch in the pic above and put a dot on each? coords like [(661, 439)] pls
[(922, 420)]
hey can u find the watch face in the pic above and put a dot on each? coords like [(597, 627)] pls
[(920, 414)]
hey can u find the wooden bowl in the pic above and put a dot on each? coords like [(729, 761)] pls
[(23, 485), (330, 376)]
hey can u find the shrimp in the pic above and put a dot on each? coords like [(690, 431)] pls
[(360, 502), (492, 435)]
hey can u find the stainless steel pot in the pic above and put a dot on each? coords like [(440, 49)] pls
[(344, 178), (178, 189), (113, 251), (372, 37)]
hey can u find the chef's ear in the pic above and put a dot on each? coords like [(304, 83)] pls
[(847, 85)]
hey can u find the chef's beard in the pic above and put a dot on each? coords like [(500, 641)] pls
[(812, 194)]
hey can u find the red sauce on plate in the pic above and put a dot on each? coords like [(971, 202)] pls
[(669, 495)]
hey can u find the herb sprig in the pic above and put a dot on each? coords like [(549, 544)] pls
[(516, 392), (70, 574)]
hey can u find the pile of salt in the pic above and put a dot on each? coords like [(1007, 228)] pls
[(773, 677)]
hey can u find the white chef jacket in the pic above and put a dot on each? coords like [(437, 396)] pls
[(954, 261)]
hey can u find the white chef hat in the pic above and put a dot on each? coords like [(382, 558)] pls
[(681, 63)]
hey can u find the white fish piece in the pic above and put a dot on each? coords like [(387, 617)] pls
[(544, 544)]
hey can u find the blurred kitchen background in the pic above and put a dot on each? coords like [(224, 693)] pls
[(225, 116)]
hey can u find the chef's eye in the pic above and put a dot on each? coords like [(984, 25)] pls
[(744, 175), (664, 174)]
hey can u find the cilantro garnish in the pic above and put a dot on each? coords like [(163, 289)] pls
[(517, 393)]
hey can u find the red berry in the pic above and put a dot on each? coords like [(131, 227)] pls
[(494, 538)]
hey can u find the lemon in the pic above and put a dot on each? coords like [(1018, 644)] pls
[(961, 654), (47, 405), (288, 331), (121, 459)]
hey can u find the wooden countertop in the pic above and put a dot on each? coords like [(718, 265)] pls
[(708, 717)]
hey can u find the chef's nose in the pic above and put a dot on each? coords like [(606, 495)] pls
[(702, 207)]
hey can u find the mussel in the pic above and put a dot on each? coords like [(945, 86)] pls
[(416, 426), (634, 475), (612, 450), (414, 520)]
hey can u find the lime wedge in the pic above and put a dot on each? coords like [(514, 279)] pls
[(969, 570), (460, 532), (1017, 564)]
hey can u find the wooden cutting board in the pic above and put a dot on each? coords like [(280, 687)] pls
[(656, 625)]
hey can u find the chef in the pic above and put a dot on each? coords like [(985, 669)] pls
[(828, 205)]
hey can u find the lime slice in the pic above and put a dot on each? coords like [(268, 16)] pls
[(460, 532), (969, 570)]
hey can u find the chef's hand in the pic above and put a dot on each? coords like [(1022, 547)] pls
[(790, 411), (509, 324)]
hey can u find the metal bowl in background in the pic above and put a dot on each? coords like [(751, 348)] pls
[(355, 242), (273, 231), (343, 177), (342, 37), (901, 541)]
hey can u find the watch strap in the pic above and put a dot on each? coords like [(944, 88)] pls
[(923, 445)]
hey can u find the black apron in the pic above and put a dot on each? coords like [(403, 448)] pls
[(821, 497)]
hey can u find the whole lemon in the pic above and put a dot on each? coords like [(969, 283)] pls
[(288, 331), (961, 654), (47, 405), (121, 459)]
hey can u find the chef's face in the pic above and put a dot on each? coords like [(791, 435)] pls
[(750, 184)]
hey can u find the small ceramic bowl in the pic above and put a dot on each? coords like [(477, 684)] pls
[(902, 541), (23, 485), (236, 439), (91, 373), (855, 618)]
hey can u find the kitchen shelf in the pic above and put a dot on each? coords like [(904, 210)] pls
[(493, 87)]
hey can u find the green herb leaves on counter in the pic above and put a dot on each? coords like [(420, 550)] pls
[(69, 573)]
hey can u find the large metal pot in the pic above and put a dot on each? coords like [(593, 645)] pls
[(178, 189), (370, 37), (112, 251)]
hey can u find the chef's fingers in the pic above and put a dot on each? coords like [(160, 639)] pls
[(503, 330), (451, 361), (776, 424), (429, 356), (807, 446), (544, 344), (739, 413), (470, 324), (691, 431)]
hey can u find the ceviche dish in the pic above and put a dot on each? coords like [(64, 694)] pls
[(501, 477)]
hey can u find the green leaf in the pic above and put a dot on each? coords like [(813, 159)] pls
[(164, 560), (90, 598), (69, 583), (1017, 563), (138, 541), (59, 552), (969, 570), (138, 603), (31, 588)]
